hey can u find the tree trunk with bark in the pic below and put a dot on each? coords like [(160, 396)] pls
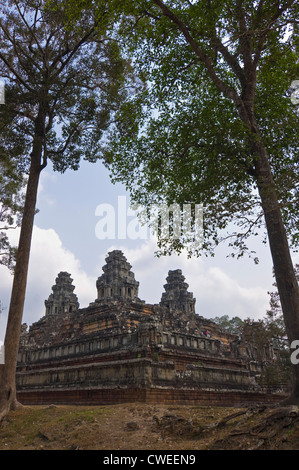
[(286, 280), (8, 398)]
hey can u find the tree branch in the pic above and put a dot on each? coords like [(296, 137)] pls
[(263, 33), (72, 51), (230, 59), (8, 64), (227, 90), (15, 73), (28, 27), (67, 141), (244, 39), (45, 158)]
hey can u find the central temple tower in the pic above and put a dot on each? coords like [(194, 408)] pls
[(176, 295), (62, 299), (117, 281)]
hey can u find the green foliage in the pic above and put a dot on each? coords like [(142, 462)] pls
[(261, 333), (63, 85), (11, 206), (274, 321), (276, 374), (183, 140), (231, 325), (62, 88)]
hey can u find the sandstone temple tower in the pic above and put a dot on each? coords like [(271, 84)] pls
[(63, 299), (117, 281), (120, 349), (176, 295)]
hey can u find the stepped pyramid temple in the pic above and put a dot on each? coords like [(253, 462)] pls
[(121, 349)]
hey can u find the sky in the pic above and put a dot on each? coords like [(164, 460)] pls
[(66, 238)]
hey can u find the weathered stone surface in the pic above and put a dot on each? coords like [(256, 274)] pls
[(176, 295), (63, 299), (121, 343), (117, 282)]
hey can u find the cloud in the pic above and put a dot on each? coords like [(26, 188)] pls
[(216, 291), (217, 288), (48, 257), (47, 178), (223, 295)]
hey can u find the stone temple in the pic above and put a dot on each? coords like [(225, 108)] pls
[(121, 349)]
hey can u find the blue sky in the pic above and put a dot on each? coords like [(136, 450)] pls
[(64, 239)]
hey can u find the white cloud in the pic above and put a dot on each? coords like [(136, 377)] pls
[(220, 294), (48, 257), (47, 178), (217, 288), (216, 292)]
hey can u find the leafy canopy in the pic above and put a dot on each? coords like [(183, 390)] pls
[(182, 140), (12, 183), (74, 78)]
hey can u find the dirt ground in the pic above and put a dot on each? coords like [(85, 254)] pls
[(150, 427)]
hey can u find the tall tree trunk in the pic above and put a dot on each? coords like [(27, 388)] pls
[(8, 398), (287, 283)]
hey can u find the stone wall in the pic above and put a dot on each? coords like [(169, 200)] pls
[(87, 346), (140, 372), (121, 349)]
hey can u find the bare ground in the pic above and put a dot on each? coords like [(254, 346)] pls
[(150, 427)]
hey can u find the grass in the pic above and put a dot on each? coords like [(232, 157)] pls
[(146, 427)]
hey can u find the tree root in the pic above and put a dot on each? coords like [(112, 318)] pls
[(262, 434), (7, 405), (225, 420)]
